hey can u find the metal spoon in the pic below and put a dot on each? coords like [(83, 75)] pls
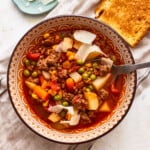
[(127, 68)]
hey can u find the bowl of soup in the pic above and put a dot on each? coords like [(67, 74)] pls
[(60, 81)]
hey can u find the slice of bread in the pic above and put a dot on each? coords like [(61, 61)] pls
[(130, 18)]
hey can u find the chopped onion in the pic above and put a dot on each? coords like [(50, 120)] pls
[(75, 76), (46, 75)]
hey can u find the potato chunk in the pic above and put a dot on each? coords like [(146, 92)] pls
[(93, 102), (54, 117), (105, 107), (100, 82)]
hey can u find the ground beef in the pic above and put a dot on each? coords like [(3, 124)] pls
[(67, 96), (79, 102), (103, 95), (84, 118), (50, 60), (92, 114), (42, 64), (78, 86), (51, 40), (63, 73), (34, 80), (103, 70)]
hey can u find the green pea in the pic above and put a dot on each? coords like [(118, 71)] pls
[(92, 76), (27, 62), (85, 76), (91, 87), (33, 63), (79, 62), (95, 64), (57, 97), (62, 113), (34, 74), (26, 73), (81, 70), (88, 89), (65, 103)]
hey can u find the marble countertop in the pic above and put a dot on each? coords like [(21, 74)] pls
[(132, 133)]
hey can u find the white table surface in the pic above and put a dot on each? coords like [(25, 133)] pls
[(133, 133)]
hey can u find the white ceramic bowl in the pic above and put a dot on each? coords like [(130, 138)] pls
[(15, 87)]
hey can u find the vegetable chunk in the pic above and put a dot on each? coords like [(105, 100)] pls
[(54, 117), (105, 107), (101, 81), (93, 102)]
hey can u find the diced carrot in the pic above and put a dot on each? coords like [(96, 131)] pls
[(70, 83), (66, 64), (41, 78), (68, 116), (70, 55), (30, 85), (44, 84), (41, 93), (38, 90)]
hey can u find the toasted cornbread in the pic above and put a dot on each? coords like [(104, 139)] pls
[(130, 18)]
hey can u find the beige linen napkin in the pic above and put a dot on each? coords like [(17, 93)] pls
[(14, 134)]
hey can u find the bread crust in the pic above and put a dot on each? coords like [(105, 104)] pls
[(130, 18)]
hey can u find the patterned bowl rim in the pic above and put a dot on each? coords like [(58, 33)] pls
[(93, 20)]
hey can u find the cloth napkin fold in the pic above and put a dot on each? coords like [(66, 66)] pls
[(13, 131)]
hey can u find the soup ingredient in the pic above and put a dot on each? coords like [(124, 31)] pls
[(74, 119), (101, 81), (34, 74), (84, 36), (93, 102), (54, 117), (105, 107), (92, 77), (26, 73), (75, 76), (114, 89), (33, 56), (41, 93), (70, 84), (46, 75), (88, 52), (67, 43)]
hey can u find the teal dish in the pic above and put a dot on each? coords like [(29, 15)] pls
[(35, 7)]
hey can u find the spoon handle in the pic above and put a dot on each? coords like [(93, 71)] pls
[(132, 67)]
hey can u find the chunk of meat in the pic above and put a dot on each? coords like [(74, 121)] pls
[(84, 118), (80, 102), (63, 73), (51, 40), (102, 95), (67, 96)]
